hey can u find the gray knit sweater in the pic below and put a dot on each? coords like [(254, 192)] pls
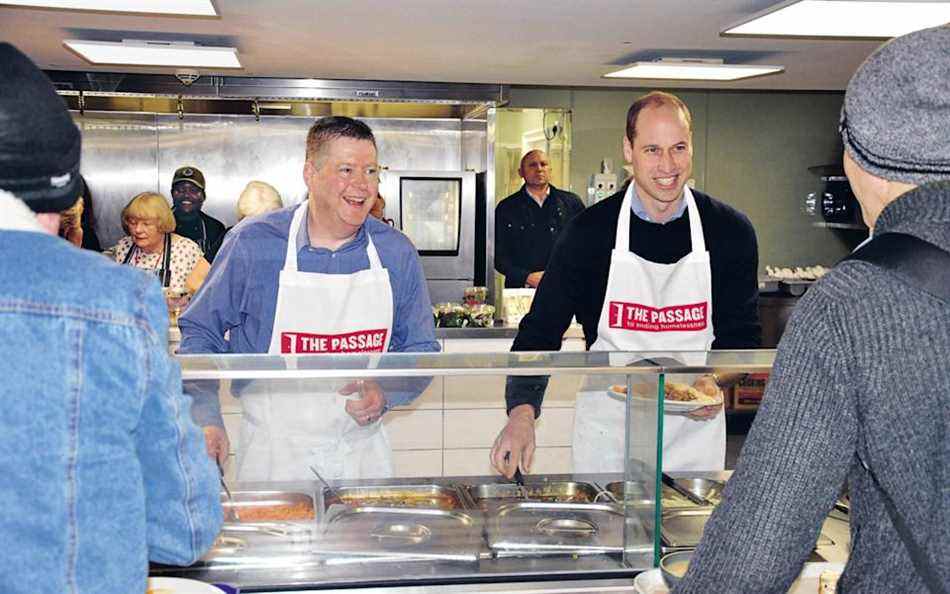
[(863, 369)]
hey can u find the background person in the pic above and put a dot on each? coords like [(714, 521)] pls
[(90, 239), (379, 210), (295, 281), (103, 469), (152, 245), (655, 245), (70, 223), (528, 222), (188, 196), (858, 392), (257, 198)]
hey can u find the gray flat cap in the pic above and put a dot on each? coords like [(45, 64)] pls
[(895, 122)]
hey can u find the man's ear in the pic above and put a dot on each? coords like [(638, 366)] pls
[(308, 170), (627, 150)]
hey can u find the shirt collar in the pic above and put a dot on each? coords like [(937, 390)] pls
[(637, 206), (303, 235), (17, 216), (547, 193)]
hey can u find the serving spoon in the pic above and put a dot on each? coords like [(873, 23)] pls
[(227, 491)]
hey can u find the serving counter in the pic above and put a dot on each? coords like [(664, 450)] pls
[(425, 520)]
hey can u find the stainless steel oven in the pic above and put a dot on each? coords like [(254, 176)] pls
[(436, 210)]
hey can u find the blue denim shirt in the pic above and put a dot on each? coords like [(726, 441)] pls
[(101, 466)]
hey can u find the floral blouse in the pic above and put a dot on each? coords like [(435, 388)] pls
[(185, 254)]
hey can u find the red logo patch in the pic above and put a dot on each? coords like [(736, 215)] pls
[(643, 318), (364, 341)]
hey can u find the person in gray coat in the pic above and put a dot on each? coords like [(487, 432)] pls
[(859, 390)]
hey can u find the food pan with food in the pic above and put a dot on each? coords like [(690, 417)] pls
[(401, 496), (486, 495), (268, 506)]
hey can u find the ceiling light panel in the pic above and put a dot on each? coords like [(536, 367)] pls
[(186, 7), (150, 53), (687, 70), (844, 18)]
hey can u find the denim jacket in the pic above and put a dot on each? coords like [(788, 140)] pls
[(101, 466)]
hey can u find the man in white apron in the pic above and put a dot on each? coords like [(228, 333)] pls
[(671, 293), (316, 278)]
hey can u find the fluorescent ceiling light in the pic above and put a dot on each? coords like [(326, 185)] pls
[(154, 53), (844, 18), (680, 69), (189, 7)]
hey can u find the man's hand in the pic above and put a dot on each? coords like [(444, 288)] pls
[(216, 443), (514, 446), (534, 279), (708, 386), (369, 407)]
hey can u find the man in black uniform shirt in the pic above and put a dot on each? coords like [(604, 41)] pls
[(188, 195), (676, 249), (528, 222)]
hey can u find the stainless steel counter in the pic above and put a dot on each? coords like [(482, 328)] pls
[(417, 551)]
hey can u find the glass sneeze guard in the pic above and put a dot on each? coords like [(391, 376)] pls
[(413, 497)]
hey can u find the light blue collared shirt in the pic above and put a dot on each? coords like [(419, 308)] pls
[(636, 205), (240, 295)]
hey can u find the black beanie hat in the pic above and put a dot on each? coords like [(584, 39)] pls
[(39, 143)]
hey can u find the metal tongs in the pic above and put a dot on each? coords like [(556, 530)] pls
[(519, 478), (669, 481), (224, 485), (333, 492)]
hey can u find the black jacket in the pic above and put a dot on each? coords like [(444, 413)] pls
[(208, 236), (525, 232)]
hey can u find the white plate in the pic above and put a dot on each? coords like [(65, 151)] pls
[(650, 582), (181, 586), (807, 581), (670, 406)]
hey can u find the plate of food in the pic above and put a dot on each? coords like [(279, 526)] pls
[(679, 397)]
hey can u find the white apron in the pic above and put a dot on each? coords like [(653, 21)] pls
[(289, 425), (636, 289)]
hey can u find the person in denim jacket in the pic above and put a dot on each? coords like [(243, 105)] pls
[(102, 467)]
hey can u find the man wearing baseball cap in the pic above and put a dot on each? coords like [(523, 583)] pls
[(103, 469), (859, 390), (188, 195)]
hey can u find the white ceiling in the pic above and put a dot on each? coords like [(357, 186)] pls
[(527, 42)]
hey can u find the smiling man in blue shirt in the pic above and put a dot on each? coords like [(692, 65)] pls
[(305, 280)]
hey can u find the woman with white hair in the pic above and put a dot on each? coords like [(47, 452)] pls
[(257, 198)]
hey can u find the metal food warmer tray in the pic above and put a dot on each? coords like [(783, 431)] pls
[(378, 524)]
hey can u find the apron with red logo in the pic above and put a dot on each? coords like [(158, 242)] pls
[(289, 425), (652, 307)]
